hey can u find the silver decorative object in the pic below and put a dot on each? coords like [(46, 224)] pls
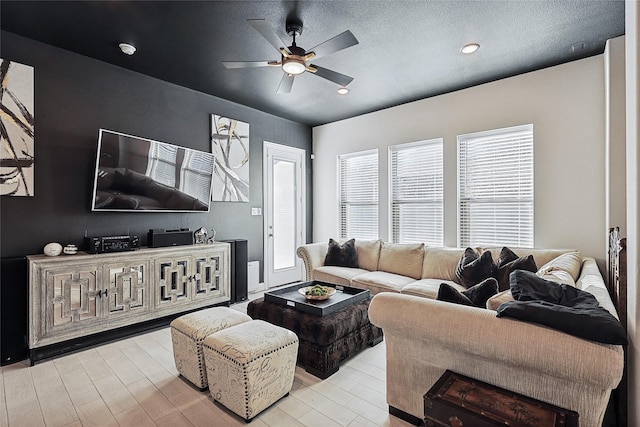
[(200, 236)]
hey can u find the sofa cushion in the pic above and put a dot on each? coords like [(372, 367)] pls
[(336, 275), (380, 281), (571, 262), (473, 268), (368, 254), (475, 296), (402, 258), (508, 261), (498, 299), (342, 255), (428, 288), (440, 263)]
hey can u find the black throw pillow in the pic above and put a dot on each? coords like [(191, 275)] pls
[(342, 255), (473, 268), (476, 296), (448, 293), (508, 262), (480, 293)]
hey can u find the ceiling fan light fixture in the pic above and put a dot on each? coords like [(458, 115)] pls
[(293, 66), (343, 90), (470, 48)]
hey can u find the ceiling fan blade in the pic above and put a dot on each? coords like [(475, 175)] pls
[(247, 64), (325, 73), (268, 33), (339, 42), (286, 83)]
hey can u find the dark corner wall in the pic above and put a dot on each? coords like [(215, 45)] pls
[(75, 96)]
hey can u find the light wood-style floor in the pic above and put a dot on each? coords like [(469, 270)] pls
[(134, 382)]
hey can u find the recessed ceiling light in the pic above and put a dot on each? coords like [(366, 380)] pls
[(127, 48), (470, 48), (343, 90)]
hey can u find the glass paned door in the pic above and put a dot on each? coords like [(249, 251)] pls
[(284, 213), (284, 209)]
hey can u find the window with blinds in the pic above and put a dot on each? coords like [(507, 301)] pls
[(417, 192), (358, 183), (495, 188)]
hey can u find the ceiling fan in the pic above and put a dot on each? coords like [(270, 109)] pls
[(294, 60)]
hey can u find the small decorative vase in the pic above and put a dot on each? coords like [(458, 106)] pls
[(70, 250), (52, 249)]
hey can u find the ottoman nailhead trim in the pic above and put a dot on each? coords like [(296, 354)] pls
[(252, 360)]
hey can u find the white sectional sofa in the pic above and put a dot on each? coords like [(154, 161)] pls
[(424, 336)]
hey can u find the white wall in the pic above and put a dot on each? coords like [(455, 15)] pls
[(615, 135), (632, 55), (566, 106)]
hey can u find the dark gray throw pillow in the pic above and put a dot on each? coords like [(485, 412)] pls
[(473, 268), (509, 262), (342, 255), (476, 296)]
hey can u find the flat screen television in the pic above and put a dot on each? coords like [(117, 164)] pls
[(142, 175)]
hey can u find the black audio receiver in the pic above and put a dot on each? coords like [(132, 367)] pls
[(107, 244)]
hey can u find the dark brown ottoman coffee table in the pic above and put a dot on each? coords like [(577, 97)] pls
[(328, 331)]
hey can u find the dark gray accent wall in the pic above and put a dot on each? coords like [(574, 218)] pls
[(75, 96)]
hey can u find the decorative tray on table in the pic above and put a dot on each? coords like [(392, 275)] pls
[(294, 296)]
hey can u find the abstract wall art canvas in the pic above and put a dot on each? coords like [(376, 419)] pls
[(16, 129), (230, 145)]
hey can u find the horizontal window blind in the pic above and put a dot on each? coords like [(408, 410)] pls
[(358, 181), (417, 192), (496, 187), (161, 166), (196, 175)]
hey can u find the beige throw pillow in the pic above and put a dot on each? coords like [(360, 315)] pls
[(402, 258), (495, 301), (571, 262), (559, 276), (368, 254)]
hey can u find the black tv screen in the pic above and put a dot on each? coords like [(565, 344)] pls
[(141, 175)]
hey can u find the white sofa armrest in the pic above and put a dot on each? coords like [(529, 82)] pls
[(313, 255), (424, 337)]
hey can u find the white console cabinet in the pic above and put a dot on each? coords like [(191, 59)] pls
[(72, 296)]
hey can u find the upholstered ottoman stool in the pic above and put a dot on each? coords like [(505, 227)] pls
[(250, 366), (187, 334)]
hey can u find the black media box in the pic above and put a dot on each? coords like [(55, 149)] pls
[(158, 238), (108, 244)]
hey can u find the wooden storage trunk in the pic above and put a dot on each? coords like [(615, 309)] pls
[(459, 401)]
